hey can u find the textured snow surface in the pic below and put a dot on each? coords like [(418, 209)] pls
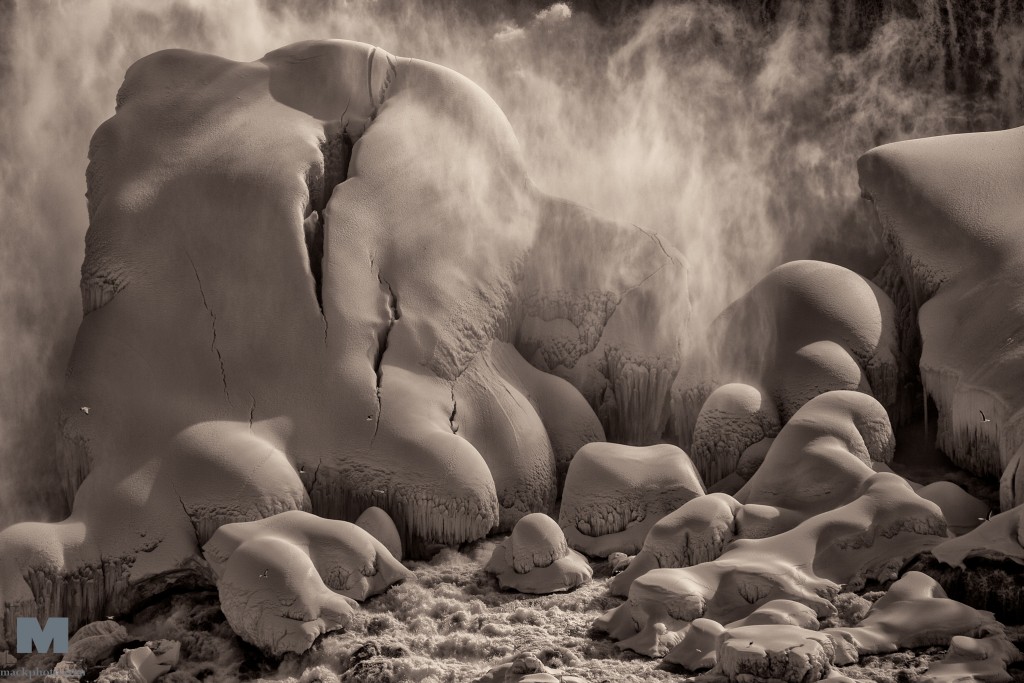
[(535, 558), (324, 281), (614, 494), (948, 210)]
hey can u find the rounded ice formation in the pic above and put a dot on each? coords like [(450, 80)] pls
[(536, 559), (285, 580), (814, 516), (962, 511), (614, 494), (734, 417), (805, 329), (947, 208), (379, 524), (311, 283), (775, 653)]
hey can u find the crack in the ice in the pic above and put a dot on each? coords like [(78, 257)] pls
[(252, 411), (394, 314), (213, 326), (188, 515), (454, 413), (316, 473)]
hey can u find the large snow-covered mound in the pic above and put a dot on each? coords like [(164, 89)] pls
[(948, 209), (323, 281)]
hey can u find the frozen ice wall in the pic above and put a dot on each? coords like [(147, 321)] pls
[(733, 131)]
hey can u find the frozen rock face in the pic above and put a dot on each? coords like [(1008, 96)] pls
[(285, 580), (535, 558), (814, 517), (947, 209), (614, 494), (310, 283), (806, 328)]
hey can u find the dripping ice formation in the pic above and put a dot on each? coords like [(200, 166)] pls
[(323, 281)]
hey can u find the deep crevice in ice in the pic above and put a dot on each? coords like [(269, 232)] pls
[(383, 335)]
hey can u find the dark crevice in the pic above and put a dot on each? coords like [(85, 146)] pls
[(252, 411), (455, 413), (394, 314), (336, 153), (213, 326)]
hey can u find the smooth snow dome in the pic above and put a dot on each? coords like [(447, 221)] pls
[(614, 494), (535, 558), (949, 207), (312, 282)]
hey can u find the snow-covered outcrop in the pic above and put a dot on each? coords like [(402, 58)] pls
[(999, 538), (948, 211), (323, 281), (285, 580), (913, 613), (535, 558), (806, 328), (614, 494), (816, 516)]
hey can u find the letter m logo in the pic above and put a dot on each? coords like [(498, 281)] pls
[(32, 635)]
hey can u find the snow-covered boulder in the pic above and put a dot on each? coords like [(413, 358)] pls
[(821, 460), (734, 418), (962, 511), (286, 579), (379, 524), (975, 659), (525, 668), (947, 209), (806, 328), (324, 281), (775, 653), (143, 664), (913, 613), (614, 494), (817, 517), (535, 558), (999, 538)]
